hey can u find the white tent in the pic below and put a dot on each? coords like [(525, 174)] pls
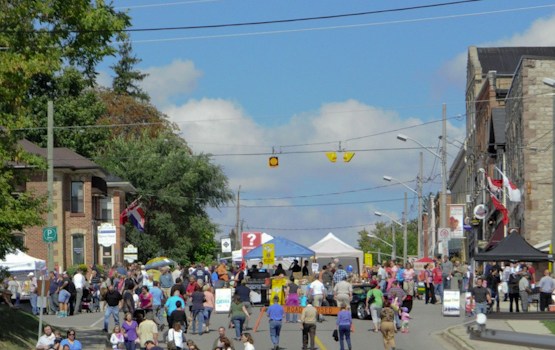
[(20, 262), (332, 247)]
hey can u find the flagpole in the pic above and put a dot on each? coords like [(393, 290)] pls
[(504, 194)]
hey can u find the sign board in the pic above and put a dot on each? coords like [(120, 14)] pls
[(315, 267), (226, 245), (456, 220), (130, 253), (222, 299), (278, 288), (106, 235), (322, 310), (480, 211), (249, 241), (368, 259), (268, 254), (420, 265), (130, 257), (451, 303), (443, 233), (50, 234)]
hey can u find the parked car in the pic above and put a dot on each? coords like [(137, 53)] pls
[(358, 304)]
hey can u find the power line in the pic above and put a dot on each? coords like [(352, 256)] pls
[(300, 229), (166, 4), (340, 27), (211, 26)]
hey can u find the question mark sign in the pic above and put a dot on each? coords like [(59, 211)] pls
[(252, 237)]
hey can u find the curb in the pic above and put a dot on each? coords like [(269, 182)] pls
[(453, 340)]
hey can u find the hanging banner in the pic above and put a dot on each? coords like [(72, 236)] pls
[(456, 220), (268, 254)]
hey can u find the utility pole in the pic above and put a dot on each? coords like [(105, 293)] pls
[(50, 180), (420, 233), (237, 234), (394, 248), (405, 224), (444, 176)]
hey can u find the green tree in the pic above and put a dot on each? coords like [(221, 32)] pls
[(77, 111), (383, 231), (175, 188), (127, 77), (37, 39)]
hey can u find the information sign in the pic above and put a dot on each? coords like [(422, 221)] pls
[(222, 299), (106, 235), (50, 234), (268, 254), (451, 303)]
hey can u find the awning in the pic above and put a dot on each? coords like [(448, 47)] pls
[(496, 237)]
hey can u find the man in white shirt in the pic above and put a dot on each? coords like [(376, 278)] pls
[(318, 292), (46, 341), (33, 293), (176, 273), (79, 281), (382, 277), (144, 274)]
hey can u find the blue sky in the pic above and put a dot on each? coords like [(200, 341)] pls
[(238, 96)]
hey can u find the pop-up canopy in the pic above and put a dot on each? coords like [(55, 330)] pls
[(514, 248), (282, 248), (19, 262), (332, 247)]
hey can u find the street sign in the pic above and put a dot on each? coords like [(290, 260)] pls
[(226, 245), (50, 234), (444, 233), (268, 254)]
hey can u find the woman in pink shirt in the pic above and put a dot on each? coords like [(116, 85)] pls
[(208, 306), (145, 299), (408, 276)]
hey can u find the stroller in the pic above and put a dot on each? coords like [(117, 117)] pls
[(407, 303), (89, 303)]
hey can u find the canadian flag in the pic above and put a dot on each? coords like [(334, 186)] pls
[(501, 208), (494, 185), (510, 188)]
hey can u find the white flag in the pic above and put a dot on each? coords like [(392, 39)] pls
[(510, 188)]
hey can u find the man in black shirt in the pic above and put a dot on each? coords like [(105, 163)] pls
[(112, 304), (295, 267), (480, 297), (179, 286), (305, 269), (68, 285)]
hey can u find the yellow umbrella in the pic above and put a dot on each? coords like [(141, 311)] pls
[(155, 274), (159, 262)]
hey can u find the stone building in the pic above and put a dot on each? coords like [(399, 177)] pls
[(85, 196)]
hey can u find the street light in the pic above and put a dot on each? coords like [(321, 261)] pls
[(443, 158), (551, 82), (371, 235), (394, 246), (419, 194)]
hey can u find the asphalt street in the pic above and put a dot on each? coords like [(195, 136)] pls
[(426, 321)]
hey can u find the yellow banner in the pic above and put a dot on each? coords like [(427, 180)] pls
[(368, 259), (268, 254), (277, 289)]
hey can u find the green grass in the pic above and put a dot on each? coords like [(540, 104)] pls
[(550, 325), (18, 329)]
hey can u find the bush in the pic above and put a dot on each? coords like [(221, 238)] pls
[(72, 269)]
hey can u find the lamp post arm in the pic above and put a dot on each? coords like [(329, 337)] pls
[(427, 149)]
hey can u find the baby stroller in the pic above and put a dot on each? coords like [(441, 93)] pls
[(407, 303), (86, 300)]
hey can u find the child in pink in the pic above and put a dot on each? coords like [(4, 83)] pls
[(405, 317)]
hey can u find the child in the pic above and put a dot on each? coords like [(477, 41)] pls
[(58, 339), (405, 317), (117, 340), (303, 299)]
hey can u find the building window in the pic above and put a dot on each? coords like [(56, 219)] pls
[(106, 210), (77, 198), (78, 251), (19, 237)]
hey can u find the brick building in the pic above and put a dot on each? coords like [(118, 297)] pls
[(85, 196)]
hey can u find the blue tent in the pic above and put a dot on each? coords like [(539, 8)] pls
[(283, 248)]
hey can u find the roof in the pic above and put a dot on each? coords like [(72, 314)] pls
[(332, 247), (282, 248), (514, 248), (64, 158), (505, 60)]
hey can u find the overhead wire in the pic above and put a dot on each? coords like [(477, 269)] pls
[(164, 4), (243, 24)]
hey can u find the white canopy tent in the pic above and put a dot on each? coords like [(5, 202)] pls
[(19, 262), (332, 247)]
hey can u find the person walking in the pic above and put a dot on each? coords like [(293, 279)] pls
[(130, 331), (546, 285), (79, 282), (148, 331), (291, 299), (374, 303), (446, 273), (514, 278), (275, 313), (457, 278), (524, 290), (244, 293), (218, 341), (343, 293), (166, 282), (481, 297), (343, 326), (429, 283), (309, 316), (157, 308), (197, 300), (112, 304), (388, 328), (209, 304), (176, 337), (438, 281), (317, 290), (493, 280), (238, 312), (247, 340), (408, 284), (53, 293), (14, 288)]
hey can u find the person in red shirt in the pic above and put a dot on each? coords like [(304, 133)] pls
[(438, 282), (532, 271)]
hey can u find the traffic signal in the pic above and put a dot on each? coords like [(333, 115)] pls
[(332, 156), (273, 162), (347, 156)]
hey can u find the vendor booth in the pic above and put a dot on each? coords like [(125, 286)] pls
[(331, 247), (20, 265)]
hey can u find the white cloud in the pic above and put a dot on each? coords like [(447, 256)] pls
[(104, 79), (453, 72), (223, 128), (166, 83)]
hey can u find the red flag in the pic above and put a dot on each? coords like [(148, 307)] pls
[(512, 191), (494, 185), (501, 208)]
